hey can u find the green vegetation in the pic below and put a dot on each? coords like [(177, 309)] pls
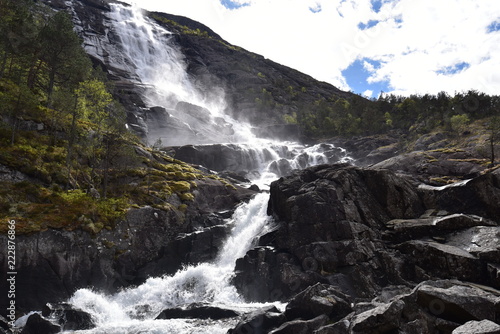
[(417, 113), (67, 158)]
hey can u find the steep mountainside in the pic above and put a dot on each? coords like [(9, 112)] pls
[(256, 90)]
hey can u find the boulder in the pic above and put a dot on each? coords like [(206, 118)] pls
[(371, 149), (301, 326), (437, 227), (479, 196), (196, 311), (260, 321), (443, 261), (36, 324), (478, 327), (316, 300), (481, 241), (432, 167), (458, 302), (68, 317), (381, 319)]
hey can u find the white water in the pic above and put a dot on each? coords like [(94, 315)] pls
[(147, 51), (206, 283)]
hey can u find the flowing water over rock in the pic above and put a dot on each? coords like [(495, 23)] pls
[(134, 310), (182, 114)]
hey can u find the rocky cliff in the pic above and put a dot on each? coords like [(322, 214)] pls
[(255, 89), (381, 249), (372, 252)]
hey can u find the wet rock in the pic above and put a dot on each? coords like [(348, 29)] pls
[(372, 149), (317, 300), (301, 326), (68, 317), (36, 324), (197, 311), (260, 321), (4, 325), (458, 302), (220, 157), (478, 327), (479, 196), (444, 260), (406, 229), (431, 166), (381, 319), (326, 233), (280, 167), (200, 113), (328, 194), (53, 264), (481, 241)]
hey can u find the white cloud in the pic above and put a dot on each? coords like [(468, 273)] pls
[(368, 93), (413, 41)]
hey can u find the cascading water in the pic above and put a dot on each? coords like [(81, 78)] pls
[(134, 310), (146, 51), (194, 115)]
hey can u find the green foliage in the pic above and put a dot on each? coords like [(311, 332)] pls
[(290, 119), (459, 123)]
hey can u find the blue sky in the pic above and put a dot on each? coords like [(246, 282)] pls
[(366, 46), (232, 5)]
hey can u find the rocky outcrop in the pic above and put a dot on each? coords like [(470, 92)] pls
[(53, 264), (435, 167), (372, 149), (255, 89), (195, 311), (374, 235)]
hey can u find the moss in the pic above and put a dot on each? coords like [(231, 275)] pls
[(37, 208), (180, 186), (444, 180), (447, 150), (183, 208), (186, 197)]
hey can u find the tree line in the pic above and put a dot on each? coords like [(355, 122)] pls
[(46, 77), (418, 113)]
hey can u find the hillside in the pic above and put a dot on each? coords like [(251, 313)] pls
[(131, 189)]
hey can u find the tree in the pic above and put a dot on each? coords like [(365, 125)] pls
[(459, 123), (494, 135), (62, 53)]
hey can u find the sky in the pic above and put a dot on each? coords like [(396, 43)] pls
[(366, 46)]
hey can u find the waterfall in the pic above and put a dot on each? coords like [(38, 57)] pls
[(134, 310), (146, 50), (194, 114)]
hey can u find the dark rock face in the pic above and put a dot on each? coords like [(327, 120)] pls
[(372, 149), (53, 264), (372, 234), (429, 166), (36, 324), (215, 68), (195, 311), (261, 321), (319, 299), (328, 222), (68, 317)]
